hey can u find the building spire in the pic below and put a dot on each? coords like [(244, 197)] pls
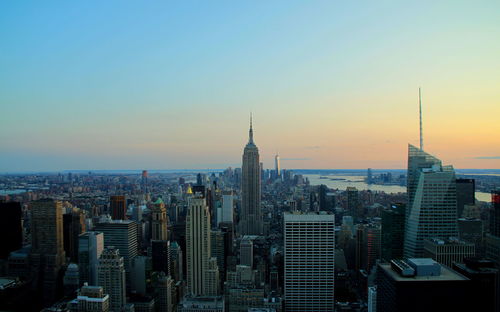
[(420, 110), (250, 132)]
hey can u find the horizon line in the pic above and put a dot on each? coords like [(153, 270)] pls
[(211, 170)]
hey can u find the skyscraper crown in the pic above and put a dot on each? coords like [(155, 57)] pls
[(250, 135)]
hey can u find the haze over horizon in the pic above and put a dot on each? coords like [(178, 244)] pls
[(118, 85)]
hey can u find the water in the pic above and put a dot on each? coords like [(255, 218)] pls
[(354, 181), (11, 192), (359, 183)]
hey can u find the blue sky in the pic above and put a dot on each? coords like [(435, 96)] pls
[(131, 85)]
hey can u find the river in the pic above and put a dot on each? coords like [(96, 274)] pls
[(341, 182)]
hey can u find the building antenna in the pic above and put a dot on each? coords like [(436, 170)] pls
[(420, 110), (250, 132)]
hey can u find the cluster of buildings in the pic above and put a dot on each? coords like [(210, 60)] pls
[(248, 239)]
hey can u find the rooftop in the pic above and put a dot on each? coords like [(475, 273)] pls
[(6, 283), (322, 216), (202, 301), (159, 201), (446, 274), (448, 241)]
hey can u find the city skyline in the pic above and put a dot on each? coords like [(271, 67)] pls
[(92, 86), (238, 156)]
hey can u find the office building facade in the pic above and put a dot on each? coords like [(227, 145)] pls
[(47, 251), (111, 276), (90, 248), (198, 247), (309, 261), (420, 284), (118, 207), (432, 201), (448, 251), (393, 230)]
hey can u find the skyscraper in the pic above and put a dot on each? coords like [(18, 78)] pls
[(159, 221), (323, 189), (484, 278), (73, 226), (251, 215), (160, 256), (111, 276), (277, 167), (471, 230), (212, 278), (198, 247), (495, 213), (246, 251), (393, 230), (309, 261), (47, 253), (121, 234), (465, 194), (369, 176), (448, 251), (91, 245), (71, 279), (176, 261), (227, 207), (11, 229), (144, 181), (373, 245), (421, 284), (432, 201), (493, 238), (118, 207), (164, 292), (354, 207)]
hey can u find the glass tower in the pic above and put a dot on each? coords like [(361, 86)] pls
[(432, 201)]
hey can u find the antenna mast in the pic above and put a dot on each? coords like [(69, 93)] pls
[(420, 109)]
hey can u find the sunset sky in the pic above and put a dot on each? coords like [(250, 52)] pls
[(169, 85)]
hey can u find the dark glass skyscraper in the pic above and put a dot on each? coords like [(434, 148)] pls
[(465, 194), (354, 207), (11, 231), (393, 230), (323, 189), (73, 226), (251, 215)]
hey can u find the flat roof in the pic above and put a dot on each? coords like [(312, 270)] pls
[(422, 261), (309, 217), (446, 275), (107, 221)]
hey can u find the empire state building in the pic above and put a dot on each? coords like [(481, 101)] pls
[(251, 215)]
